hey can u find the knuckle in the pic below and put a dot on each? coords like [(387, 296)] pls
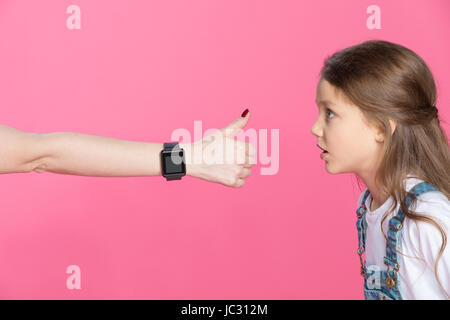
[(232, 181)]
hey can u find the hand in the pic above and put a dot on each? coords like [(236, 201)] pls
[(219, 157)]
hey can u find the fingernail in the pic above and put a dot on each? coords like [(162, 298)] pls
[(244, 113)]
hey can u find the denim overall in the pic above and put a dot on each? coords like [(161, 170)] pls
[(384, 284)]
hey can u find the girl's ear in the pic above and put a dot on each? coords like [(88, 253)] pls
[(380, 135)]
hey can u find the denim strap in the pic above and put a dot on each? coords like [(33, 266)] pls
[(361, 224), (396, 224)]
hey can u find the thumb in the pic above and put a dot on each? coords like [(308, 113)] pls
[(237, 124)]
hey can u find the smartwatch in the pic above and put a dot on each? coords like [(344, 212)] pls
[(173, 162)]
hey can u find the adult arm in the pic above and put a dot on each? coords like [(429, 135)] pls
[(92, 155)]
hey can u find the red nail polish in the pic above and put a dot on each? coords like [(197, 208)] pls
[(244, 113)]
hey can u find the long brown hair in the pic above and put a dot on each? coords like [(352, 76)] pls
[(386, 80)]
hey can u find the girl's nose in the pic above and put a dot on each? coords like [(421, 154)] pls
[(315, 130)]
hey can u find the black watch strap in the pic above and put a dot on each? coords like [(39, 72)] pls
[(170, 145), (173, 178)]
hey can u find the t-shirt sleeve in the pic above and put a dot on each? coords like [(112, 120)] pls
[(436, 206)]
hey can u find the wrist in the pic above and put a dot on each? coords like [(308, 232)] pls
[(190, 168)]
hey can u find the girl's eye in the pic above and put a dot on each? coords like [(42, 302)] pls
[(329, 111)]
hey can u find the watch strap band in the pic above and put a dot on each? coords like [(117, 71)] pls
[(170, 145), (173, 178)]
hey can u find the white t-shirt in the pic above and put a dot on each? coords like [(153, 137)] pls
[(419, 239)]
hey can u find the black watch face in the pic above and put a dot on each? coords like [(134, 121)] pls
[(175, 165)]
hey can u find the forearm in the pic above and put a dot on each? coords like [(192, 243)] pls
[(91, 155)]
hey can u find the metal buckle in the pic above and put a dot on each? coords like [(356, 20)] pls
[(362, 271), (391, 281), (362, 209), (400, 225), (396, 265)]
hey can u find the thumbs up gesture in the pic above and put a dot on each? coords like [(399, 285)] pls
[(219, 157)]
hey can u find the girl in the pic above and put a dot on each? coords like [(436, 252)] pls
[(378, 119)]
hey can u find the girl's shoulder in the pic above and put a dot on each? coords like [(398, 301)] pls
[(435, 205), (425, 237), (432, 202)]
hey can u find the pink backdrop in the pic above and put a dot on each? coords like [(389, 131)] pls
[(132, 65)]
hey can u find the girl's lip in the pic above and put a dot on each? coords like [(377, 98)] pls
[(321, 147), (323, 155)]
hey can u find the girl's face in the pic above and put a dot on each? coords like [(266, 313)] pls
[(342, 131)]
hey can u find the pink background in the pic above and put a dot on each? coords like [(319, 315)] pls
[(133, 65)]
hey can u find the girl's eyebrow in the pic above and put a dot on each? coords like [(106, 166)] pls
[(324, 102)]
